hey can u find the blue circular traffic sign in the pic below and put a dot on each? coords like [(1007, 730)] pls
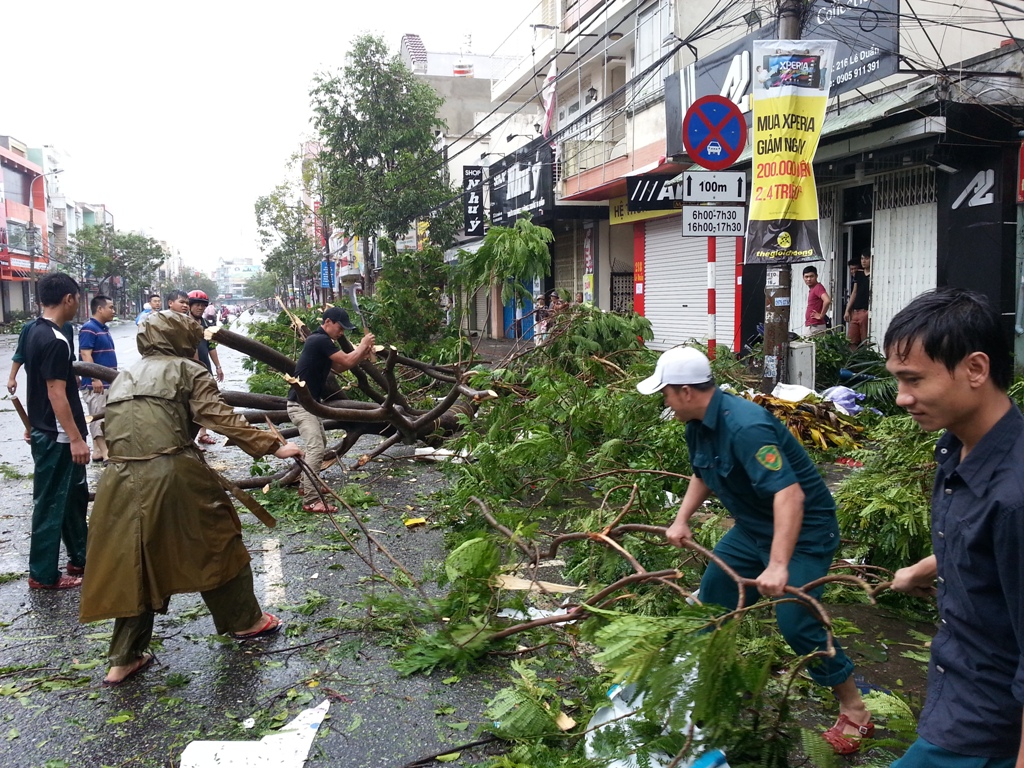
[(714, 132)]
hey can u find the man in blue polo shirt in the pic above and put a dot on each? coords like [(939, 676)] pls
[(321, 355), (951, 358), (60, 495), (786, 531), (96, 346)]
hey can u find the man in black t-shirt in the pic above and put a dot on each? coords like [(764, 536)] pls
[(856, 315), (59, 494), (320, 355)]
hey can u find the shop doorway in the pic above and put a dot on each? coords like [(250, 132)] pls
[(854, 237)]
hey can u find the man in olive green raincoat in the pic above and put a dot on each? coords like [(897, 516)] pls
[(162, 524)]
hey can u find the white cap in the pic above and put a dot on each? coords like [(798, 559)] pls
[(680, 365)]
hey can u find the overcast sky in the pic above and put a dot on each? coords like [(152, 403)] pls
[(179, 115)]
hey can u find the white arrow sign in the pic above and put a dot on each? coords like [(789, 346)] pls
[(715, 186)]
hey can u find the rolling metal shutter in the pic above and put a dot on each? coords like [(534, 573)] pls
[(676, 285)]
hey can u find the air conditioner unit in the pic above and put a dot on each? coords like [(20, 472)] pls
[(801, 363)]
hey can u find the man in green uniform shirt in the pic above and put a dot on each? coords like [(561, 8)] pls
[(786, 531)]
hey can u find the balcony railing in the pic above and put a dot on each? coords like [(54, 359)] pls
[(595, 138)]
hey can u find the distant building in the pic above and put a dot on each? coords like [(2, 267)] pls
[(232, 275), (24, 242)]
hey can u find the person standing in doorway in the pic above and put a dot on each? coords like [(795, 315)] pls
[(818, 303), (856, 315), (96, 345)]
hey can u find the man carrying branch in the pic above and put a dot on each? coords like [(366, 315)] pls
[(320, 355), (786, 531)]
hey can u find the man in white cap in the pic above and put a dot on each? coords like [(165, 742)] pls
[(786, 531)]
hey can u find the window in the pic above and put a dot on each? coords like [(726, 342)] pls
[(17, 236), (653, 25)]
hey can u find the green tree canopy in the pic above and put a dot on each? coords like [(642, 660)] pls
[(509, 257), (130, 256), (262, 285), (377, 124), (282, 221)]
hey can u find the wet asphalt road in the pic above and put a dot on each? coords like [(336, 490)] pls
[(54, 714)]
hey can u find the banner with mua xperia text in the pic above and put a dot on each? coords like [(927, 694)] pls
[(791, 86)]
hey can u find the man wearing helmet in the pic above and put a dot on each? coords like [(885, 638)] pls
[(197, 303)]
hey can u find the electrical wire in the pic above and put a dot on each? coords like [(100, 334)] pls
[(699, 33)]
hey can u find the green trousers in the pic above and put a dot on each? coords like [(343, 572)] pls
[(60, 499), (233, 605)]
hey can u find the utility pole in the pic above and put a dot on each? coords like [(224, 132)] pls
[(779, 278)]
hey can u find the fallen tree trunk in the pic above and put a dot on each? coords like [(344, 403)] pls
[(386, 410)]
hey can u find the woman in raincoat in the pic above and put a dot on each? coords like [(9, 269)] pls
[(162, 523)]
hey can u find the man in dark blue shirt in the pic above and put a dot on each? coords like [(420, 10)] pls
[(320, 355), (951, 358), (786, 531), (60, 495), (97, 346)]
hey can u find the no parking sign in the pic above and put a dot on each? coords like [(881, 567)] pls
[(714, 132)]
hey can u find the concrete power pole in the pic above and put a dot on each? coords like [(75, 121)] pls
[(779, 278)]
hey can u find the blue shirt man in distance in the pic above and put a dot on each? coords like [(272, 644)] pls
[(951, 359), (786, 532), (155, 304)]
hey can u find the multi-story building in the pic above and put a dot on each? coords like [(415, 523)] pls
[(477, 133), (24, 242), (917, 162), (232, 275)]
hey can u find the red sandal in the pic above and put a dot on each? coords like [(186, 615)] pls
[(847, 743)]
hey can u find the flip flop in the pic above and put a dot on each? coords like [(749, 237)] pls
[(319, 509), (271, 625), (207, 440), (144, 665)]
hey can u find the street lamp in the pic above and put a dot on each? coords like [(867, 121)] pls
[(32, 226)]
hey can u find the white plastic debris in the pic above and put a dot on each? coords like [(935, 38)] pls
[(626, 704), (286, 748), (441, 454), (793, 393), (530, 615)]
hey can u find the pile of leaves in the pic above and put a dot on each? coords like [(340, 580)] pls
[(815, 424)]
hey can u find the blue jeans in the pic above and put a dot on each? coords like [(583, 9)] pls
[(801, 628), (924, 754)]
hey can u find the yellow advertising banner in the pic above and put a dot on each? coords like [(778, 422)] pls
[(789, 101)]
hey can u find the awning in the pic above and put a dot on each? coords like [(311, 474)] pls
[(452, 254), (617, 187)]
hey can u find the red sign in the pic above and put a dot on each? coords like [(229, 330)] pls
[(714, 132)]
